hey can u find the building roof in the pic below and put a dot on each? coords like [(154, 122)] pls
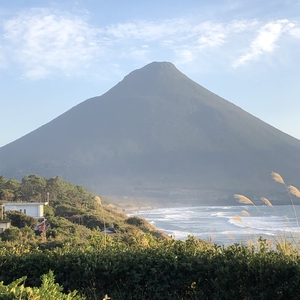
[(24, 203)]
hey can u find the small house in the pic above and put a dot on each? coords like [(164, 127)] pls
[(4, 224), (32, 209)]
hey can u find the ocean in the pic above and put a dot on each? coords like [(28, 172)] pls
[(226, 225)]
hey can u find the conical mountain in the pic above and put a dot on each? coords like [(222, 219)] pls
[(157, 133)]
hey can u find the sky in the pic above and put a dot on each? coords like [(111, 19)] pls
[(56, 54)]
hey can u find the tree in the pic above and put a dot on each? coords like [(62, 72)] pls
[(10, 234), (3, 180), (6, 194), (12, 189), (20, 220), (55, 187), (33, 188), (12, 184)]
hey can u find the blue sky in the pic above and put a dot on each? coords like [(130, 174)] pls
[(56, 54)]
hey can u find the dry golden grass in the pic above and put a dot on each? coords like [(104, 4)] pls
[(245, 213), (250, 243), (277, 178), (243, 199), (289, 242), (98, 200), (237, 218), (230, 236), (293, 190), (266, 201)]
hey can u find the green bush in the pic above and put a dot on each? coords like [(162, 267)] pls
[(18, 219), (160, 269), (65, 210), (136, 221), (49, 290), (10, 234), (48, 211)]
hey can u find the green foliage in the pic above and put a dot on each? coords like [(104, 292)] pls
[(66, 210), (35, 188), (138, 262), (49, 290), (18, 219), (3, 181), (136, 221), (9, 189), (25, 235), (32, 188), (48, 211), (153, 268), (11, 234), (72, 214)]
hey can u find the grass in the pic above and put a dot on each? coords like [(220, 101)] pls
[(287, 243)]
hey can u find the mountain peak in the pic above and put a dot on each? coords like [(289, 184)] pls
[(156, 132), (160, 66), (154, 70), (157, 66), (151, 77)]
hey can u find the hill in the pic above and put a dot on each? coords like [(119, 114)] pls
[(74, 215), (158, 134)]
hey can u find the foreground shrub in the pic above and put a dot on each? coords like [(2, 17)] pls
[(160, 269), (19, 219), (49, 290)]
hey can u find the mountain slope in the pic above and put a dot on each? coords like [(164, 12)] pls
[(157, 133)]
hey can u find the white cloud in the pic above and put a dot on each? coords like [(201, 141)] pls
[(138, 53), (184, 56), (149, 31), (47, 42), (2, 59), (295, 32), (265, 41)]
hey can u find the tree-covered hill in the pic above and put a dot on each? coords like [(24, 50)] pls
[(73, 213)]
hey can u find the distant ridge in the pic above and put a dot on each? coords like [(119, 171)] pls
[(159, 134)]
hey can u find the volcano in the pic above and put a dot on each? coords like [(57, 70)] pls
[(158, 134)]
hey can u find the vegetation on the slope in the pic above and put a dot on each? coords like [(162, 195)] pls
[(73, 213), (19, 219), (135, 262)]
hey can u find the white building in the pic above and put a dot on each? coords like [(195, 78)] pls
[(4, 224), (32, 209)]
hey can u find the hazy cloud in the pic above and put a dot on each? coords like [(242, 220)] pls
[(2, 59), (149, 31), (43, 42), (295, 32), (265, 41)]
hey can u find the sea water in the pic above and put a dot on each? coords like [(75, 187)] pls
[(226, 225)]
